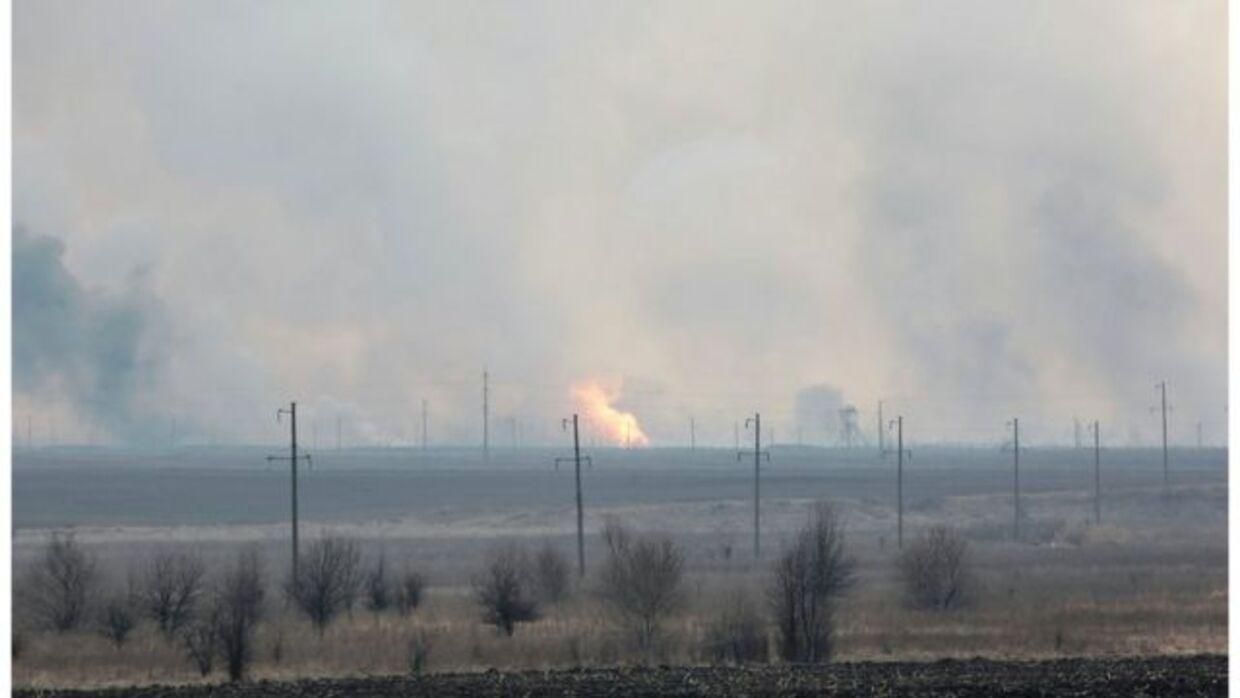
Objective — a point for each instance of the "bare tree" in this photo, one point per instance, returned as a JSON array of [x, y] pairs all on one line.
[[200, 639], [60, 588], [737, 632], [409, 592], [171, 589], [551, 574], [328, 580], [117, 619], [935, 569], [238, 607], [502, 589], [641, 579], [378, 587], [809, 577]]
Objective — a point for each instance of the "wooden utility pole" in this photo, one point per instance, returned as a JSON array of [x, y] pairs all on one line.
[[1162, 387], [486, 416], [1015, 479], [292, 459], [756, 420], [899, 422], [581, 536], [1097, 475], [882, 448]]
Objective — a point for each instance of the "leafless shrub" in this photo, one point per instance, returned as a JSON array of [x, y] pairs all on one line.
[[935, 569], [809, 577], [60, 588], [502, 589], [200, 640], [327, 580], [418, 650], [117, 619], [378, 587], [551, 574], [409, 592], [171, 589], [641, 580], [737, 632], [237, 609]]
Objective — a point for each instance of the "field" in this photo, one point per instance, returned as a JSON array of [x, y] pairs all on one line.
[[1151, 579], [1137, 678]]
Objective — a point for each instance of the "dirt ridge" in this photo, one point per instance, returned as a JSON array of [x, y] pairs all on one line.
[[1200, 675]]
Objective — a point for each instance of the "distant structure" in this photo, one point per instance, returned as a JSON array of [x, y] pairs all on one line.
[[850, 433]]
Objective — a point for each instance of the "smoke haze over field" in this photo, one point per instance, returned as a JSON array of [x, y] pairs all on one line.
[[971, 210]]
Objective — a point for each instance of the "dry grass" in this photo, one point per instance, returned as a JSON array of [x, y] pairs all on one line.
[[1138, 585], [1034, 603]]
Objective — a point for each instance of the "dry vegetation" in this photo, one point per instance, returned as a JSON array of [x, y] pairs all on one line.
[[1119, 589]]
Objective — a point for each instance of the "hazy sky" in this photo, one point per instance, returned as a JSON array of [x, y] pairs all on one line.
[[972, 210]]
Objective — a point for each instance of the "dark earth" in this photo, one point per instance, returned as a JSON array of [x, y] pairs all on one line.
[[1204, 675]]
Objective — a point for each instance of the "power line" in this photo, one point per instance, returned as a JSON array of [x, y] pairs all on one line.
[[900, 453], [756, 420], [486, 415], [1097, 474], [1015, 424], [581, 540], [292, 459]]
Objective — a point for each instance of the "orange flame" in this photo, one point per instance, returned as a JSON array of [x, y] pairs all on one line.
[[594, 401]]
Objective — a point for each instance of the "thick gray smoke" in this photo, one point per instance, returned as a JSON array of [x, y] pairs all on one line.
[[89, 348], [970, 210]]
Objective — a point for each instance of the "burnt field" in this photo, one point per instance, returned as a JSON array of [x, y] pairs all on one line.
[[1203, 675]]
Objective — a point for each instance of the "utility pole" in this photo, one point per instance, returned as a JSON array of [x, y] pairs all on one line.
[[581, 536], [292, 459], [424, 425], [900, 452], [1015, 424], [692, 435], [486, 416], [756, 420], [882, 448], [1097, 475], [1162, 387]]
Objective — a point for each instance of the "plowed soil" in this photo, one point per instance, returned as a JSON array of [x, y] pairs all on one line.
[[1150, 676]]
